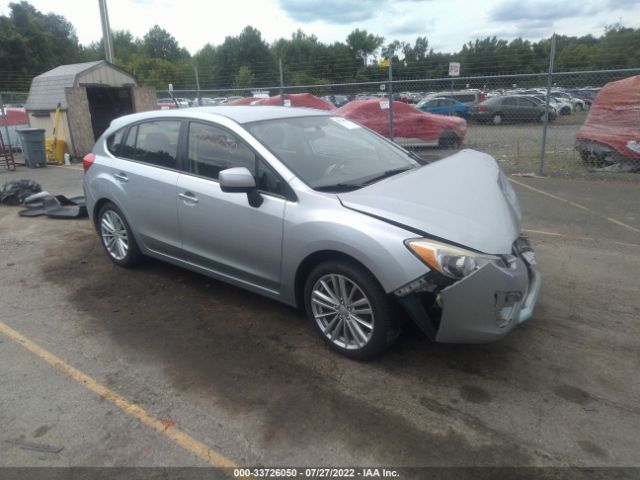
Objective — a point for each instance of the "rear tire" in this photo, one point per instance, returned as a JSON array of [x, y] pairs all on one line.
[[116, 236], [449, 140], [350, 311]]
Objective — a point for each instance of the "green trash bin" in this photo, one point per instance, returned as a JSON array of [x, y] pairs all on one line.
[[33, 147]]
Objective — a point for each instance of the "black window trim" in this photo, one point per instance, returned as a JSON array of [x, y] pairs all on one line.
[[289, 193]]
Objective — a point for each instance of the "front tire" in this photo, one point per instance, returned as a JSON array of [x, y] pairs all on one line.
[[350, 310], [116, 236]]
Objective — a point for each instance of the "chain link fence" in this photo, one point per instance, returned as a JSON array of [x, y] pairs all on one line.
[[506, 116], [503, 115]]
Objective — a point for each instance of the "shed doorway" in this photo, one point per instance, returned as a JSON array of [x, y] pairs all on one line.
[[107, 103]]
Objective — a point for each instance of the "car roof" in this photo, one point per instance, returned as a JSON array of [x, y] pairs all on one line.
[[238, 113]]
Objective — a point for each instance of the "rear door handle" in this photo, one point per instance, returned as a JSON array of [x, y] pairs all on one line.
[[188, 197], [122, 177]]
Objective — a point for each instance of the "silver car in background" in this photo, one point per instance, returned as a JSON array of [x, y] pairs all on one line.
[[320, 213]]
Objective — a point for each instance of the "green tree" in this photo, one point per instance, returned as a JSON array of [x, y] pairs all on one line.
[[158, 43], [244, 78], [363, 44]]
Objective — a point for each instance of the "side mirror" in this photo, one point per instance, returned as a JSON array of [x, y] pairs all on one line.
[[240, 179]]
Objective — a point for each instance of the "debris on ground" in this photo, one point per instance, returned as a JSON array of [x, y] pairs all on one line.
[[36, 447], [14, 192], [54, 206]]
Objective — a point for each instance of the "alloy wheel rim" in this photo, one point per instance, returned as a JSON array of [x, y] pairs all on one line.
[[342, 311], [114, 235]]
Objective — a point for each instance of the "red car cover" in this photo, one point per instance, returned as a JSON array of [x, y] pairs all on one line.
[[14, 116], [408, 121], [244, 101], [297, 100], [614, 119]]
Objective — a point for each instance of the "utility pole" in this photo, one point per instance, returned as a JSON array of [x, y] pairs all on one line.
[[391, 52], [552, 56], [106, 31], [198, 94], [281, 82]]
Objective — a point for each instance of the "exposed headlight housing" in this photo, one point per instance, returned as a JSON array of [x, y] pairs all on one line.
[[453, 262]]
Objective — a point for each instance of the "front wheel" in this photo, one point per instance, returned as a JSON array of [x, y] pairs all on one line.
[[350, 310], [116, 236]]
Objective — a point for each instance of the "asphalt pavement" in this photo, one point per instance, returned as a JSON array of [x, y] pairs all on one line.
[[160, 366]]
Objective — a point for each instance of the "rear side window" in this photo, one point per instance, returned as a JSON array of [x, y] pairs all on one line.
[[114, 141], [153, 142], [510, 101]]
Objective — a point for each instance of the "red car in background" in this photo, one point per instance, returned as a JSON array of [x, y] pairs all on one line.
[[411, 126], [297, 100], [611, 133]]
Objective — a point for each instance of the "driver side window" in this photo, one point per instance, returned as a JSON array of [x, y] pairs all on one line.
[[212, 149]]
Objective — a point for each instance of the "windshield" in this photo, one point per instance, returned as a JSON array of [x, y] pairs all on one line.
[[331, 153]]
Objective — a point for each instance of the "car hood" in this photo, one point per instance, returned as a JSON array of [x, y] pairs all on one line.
[[464, 199]]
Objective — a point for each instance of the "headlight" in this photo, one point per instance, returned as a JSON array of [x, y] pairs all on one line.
[[454, 262]]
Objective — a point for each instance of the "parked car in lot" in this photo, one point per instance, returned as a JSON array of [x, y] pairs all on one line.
[[337, 100], [166, 104], [587, 95], [577, 104], [610, 134], [311, 209], [509, 108], [469, 97], [560, 105], [412, 127], [444, 106], [296, 100]]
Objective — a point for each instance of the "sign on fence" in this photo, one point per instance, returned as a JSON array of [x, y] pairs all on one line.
[[454, 69]]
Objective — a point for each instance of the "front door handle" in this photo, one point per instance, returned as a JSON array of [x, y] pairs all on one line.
[[188, 197], [121, 177]]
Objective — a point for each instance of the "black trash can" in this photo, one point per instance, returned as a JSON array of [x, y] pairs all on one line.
[[33, 147]]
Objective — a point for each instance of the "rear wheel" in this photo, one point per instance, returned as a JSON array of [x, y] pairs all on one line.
[[497, 118], [542, 116], [350, 310], [449, 140], [116, 236]]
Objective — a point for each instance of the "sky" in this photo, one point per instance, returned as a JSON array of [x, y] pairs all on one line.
[[447, 24]]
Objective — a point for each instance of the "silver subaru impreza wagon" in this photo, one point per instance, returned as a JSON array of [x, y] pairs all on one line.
[[320, 213]]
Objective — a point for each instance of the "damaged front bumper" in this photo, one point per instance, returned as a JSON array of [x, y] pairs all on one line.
[[482, 307]]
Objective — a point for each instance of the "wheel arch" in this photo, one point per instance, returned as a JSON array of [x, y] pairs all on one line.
[[96, 209], [314, 259]]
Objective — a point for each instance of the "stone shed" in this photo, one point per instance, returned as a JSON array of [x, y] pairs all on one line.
[[90, 95]]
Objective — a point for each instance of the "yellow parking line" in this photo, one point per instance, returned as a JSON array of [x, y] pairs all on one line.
[[574, 204], [165, 427]]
